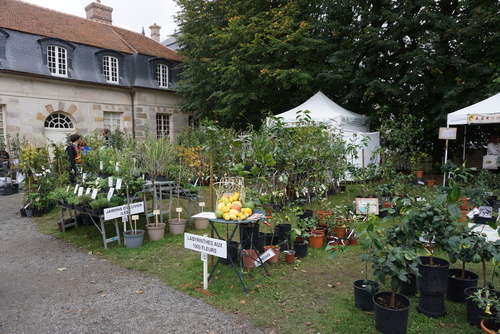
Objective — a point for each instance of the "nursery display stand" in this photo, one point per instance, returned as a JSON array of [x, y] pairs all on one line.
[[237, 265]]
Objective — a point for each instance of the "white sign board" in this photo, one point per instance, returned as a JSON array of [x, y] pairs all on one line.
[[264, 257], [120, 211], [216, 247]]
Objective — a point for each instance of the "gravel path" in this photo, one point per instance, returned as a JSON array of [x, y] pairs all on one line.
[[49, 286]]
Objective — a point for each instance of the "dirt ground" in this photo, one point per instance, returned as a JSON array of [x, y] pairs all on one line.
[[49, 286]]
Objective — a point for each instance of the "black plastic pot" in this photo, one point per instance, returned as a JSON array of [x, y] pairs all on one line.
[[433, 280], [431, 305], [282, 231], [248, 235], [306, 214], [457, 286], [474, 313], [300, 249], [362, 298], [391, 321], [232, 252], [409, 288]]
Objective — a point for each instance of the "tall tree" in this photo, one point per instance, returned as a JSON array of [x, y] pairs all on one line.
[[383, 58]]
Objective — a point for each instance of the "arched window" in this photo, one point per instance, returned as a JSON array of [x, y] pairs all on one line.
[[58, 121]]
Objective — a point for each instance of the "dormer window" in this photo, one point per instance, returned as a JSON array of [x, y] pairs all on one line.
[[57, 56], [162, 75], [57, 60], [110, 68]]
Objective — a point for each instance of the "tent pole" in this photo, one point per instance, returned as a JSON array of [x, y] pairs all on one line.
[[465, 140]]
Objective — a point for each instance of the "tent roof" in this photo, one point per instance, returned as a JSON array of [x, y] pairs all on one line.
[[486, 111], [324, 110]]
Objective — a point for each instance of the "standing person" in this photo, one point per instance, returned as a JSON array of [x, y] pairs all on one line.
[[493, 147], [105, 133], [4, 162], [73, 155]]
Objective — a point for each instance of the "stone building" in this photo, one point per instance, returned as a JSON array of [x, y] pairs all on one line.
[[62, 74]]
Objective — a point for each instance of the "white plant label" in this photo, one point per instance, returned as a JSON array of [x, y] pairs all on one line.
[[94, 193], [80, 191], [135, 217], [202, 204], [156, 212], [178, 209], [119, 184], [110, 193], [101, 165], [76, 189], [88, 191], [117, 166], [110, 181], [67, 189]]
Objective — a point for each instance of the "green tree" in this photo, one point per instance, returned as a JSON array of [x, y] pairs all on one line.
[[382, 58]]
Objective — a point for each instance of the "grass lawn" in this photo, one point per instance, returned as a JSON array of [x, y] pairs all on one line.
[[313, 295]]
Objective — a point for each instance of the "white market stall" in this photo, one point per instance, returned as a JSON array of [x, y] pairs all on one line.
[[354, 127], [484, 112]]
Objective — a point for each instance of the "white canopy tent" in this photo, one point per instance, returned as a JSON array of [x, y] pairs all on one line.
[[354, 127], [323, 110], [484, 112]]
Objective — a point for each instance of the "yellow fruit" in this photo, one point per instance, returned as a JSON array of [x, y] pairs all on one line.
[[220, 206], [232, 216], [247, 211], [233, 212], [236, 195], [243, 216], [227, 216], [226, 209]]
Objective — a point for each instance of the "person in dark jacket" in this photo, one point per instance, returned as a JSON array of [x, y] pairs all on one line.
[[4, 162], [73, 151]]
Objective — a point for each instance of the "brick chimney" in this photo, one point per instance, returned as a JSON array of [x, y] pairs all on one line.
[[100, 13], [155, 32]]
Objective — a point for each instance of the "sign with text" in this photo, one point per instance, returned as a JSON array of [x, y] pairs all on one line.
[[120, 211], [483, 118], [216, 247]]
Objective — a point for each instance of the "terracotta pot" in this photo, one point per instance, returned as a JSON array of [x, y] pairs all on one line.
[[316, 239], [486, 324], [323, 215], [334, 244], [249, 258], [431, 183], [276, 251], [420, 174], [340, 232], [353, 241], [463, 203], [289, 256]]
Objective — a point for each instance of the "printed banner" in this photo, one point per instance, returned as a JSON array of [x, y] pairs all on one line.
[[483, 118]]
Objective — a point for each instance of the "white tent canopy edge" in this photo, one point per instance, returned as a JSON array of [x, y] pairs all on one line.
[[484, 112]]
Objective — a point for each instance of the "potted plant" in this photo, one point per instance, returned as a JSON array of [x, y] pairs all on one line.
[[485, 311], [486, 251], [463, 246], [98, 205], [155, 155], [397, 263], [434, 223]]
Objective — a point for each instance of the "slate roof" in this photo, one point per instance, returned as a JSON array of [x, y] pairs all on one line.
[[24, 17]]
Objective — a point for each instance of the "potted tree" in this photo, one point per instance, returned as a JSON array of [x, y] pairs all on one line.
[[397, 263], [463, 246], [155, 155], [434, 221]]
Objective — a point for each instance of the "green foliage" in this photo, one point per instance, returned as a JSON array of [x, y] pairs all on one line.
[[407, 64]]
